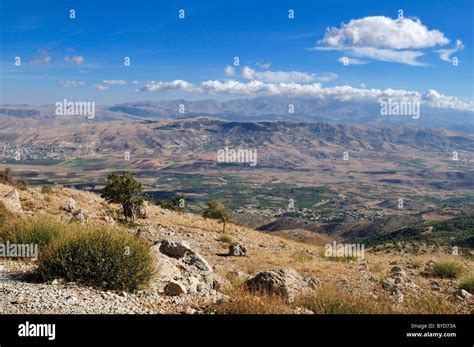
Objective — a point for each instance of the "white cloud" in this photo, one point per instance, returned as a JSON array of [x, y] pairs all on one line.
[[351, 61], [265, 66], [383, 32], [101, 87], [382, 38], [229, 70], [285, 76], [114, 82], [165, 86], [42, 58], [445, 54], [339, 93], [389, 55], [71, 84], [77, 59]]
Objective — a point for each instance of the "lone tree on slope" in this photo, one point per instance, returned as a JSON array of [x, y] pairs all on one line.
[[122, 188]]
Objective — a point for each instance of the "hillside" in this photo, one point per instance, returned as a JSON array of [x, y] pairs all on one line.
[[395, 283]]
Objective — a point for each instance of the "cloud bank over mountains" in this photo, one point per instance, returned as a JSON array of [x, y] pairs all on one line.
[[431, 98]]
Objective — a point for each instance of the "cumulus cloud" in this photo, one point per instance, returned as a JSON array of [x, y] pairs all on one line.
[[445, 54], [166, 86], [285, 76], [339, 93], [382, 38], [229, 70], [114, 82], [383, 32], [77, 59], [71, 84], [42, 58]]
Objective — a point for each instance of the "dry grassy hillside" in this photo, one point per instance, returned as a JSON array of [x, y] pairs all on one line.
[[377, 284]]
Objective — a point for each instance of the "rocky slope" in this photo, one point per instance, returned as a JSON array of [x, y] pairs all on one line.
[[195, 272]]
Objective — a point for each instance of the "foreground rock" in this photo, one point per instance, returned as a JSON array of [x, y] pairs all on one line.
[[237, 250], [181, 270], [70, 206], [143, 210], [11, 201], [79, 216], [286, 283]]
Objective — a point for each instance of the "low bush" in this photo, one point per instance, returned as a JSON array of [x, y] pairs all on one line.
[[467, 284], [446, 269], [40, 231], [225, 239], [100, 257]]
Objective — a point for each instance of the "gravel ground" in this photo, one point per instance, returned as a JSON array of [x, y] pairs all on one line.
[[18, 296]]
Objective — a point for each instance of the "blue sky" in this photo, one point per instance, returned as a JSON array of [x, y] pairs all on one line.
[[71, 58]]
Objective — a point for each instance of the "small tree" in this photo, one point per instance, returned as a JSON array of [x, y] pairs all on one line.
[[122, 188], [216, 210], [174, 204]]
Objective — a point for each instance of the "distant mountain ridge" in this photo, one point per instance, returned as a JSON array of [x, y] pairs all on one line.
[[264, 108]]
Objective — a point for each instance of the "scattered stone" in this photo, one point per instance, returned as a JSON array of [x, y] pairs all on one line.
[[283, 282], [435, 286], [463, 294], [177, 261], [237, 250], [79, 216], [174, 288], [397, 271], [70, 206], [143, 210], [12, 202], [20, 300]]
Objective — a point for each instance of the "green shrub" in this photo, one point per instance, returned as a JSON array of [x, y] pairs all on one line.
[[41, 231], [467, 284], [122, 188], [176, 203], [225, 239], [446, 269], [103, 258]]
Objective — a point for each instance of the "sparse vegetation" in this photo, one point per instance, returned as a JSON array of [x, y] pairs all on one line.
[[5, 215], [225, 239], [340, 259], [216, 210], [301, 257], [467, 284], [446, 269], [176, 203], [6, 176], [46, 190], [243, 302], [100, 257], [122, 188], [40, 231], [332, 300]]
